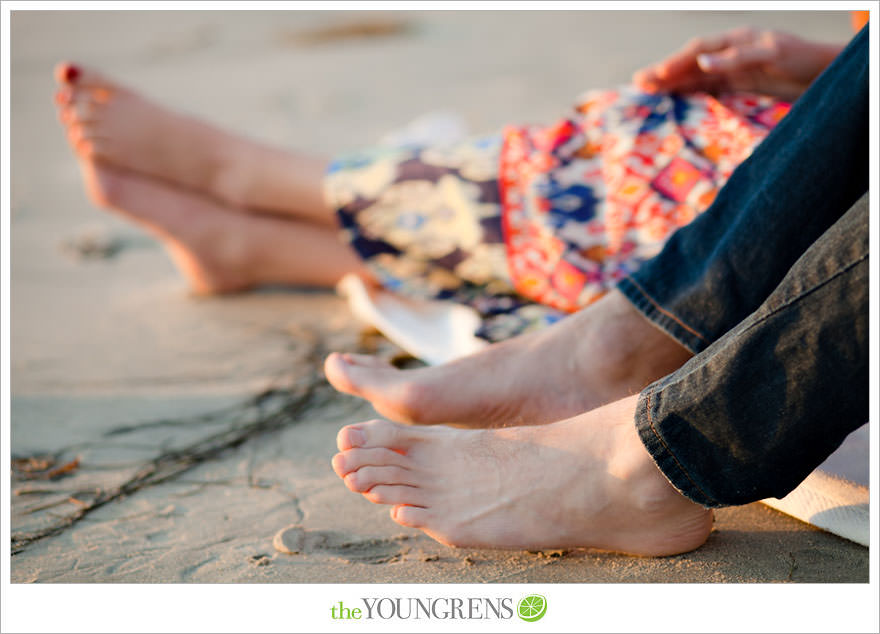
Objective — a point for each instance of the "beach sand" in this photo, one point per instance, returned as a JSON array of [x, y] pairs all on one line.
[[143, 399]]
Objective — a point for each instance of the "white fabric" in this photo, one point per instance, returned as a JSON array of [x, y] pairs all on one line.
[[435, 332]]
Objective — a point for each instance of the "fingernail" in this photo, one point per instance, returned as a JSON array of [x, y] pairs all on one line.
[[705, 62], [356, 437], [71, 73]]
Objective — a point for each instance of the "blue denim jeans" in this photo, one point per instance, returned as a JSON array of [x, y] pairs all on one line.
[[769, 288]]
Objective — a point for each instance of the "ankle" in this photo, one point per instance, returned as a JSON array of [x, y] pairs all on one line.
[[666, 521], [631, 351], [217, 261]]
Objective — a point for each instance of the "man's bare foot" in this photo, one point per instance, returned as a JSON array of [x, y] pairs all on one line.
[[603, 353], [584, 482], [208, 243]]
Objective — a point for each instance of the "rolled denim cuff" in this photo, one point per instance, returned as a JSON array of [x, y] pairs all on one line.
[[754, 413], [665, 320], [673, 467]]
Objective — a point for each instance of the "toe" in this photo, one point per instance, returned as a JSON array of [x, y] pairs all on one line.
[[367, 373], [351, 436], [336, 371], [67, 73], [67, 115], [366, 478], [83, 107], [354, 459], [88, 78], [63, 96], [395, 494], [394, 393], [411, 516], [81, 140], [74, 75], [367, 361], [354, 373], [378, 433]]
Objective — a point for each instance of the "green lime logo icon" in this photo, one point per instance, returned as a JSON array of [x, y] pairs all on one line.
[[532, 608]]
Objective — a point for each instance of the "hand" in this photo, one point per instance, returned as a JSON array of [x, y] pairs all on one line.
[[746, 59]]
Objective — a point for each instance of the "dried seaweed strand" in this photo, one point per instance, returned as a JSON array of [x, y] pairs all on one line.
[[175, 462]]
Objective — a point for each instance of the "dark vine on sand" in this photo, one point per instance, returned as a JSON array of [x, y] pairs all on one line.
[[267, 412]]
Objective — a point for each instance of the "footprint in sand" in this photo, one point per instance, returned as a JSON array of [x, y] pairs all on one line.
[[295, 540]]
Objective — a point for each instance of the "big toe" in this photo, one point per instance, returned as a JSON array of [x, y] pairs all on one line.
[[375, 434], [77, 76], [67, 72], [357, 374]]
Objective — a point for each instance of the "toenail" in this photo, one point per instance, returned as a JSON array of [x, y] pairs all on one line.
[[71, 73], [356, 437]]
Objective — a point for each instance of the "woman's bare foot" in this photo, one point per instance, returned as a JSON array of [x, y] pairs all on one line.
[[111, 124], [217, 249], [584, 482], [200, 237], [603, 353]]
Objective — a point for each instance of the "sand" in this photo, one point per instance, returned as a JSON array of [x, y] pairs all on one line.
[[141, 398]]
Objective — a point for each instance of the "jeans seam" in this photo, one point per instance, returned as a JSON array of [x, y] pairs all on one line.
[[806, 292], [663, 311], [669, 451]]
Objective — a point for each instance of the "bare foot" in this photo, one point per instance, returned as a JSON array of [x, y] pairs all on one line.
[[111, 124], [603, 353], [584, 482], [218, 249], [208, 243]]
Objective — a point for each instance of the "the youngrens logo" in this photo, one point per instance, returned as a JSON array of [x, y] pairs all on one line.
[[530, 608]]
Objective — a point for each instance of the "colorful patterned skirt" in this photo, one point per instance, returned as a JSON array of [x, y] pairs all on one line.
[[537, 222]]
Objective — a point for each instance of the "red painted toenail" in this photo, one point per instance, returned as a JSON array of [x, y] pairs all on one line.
[[71, 73]]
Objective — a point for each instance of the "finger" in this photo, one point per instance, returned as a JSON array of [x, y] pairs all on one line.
[[696, 82], [735, 58], [682, 66], [685, 61]]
